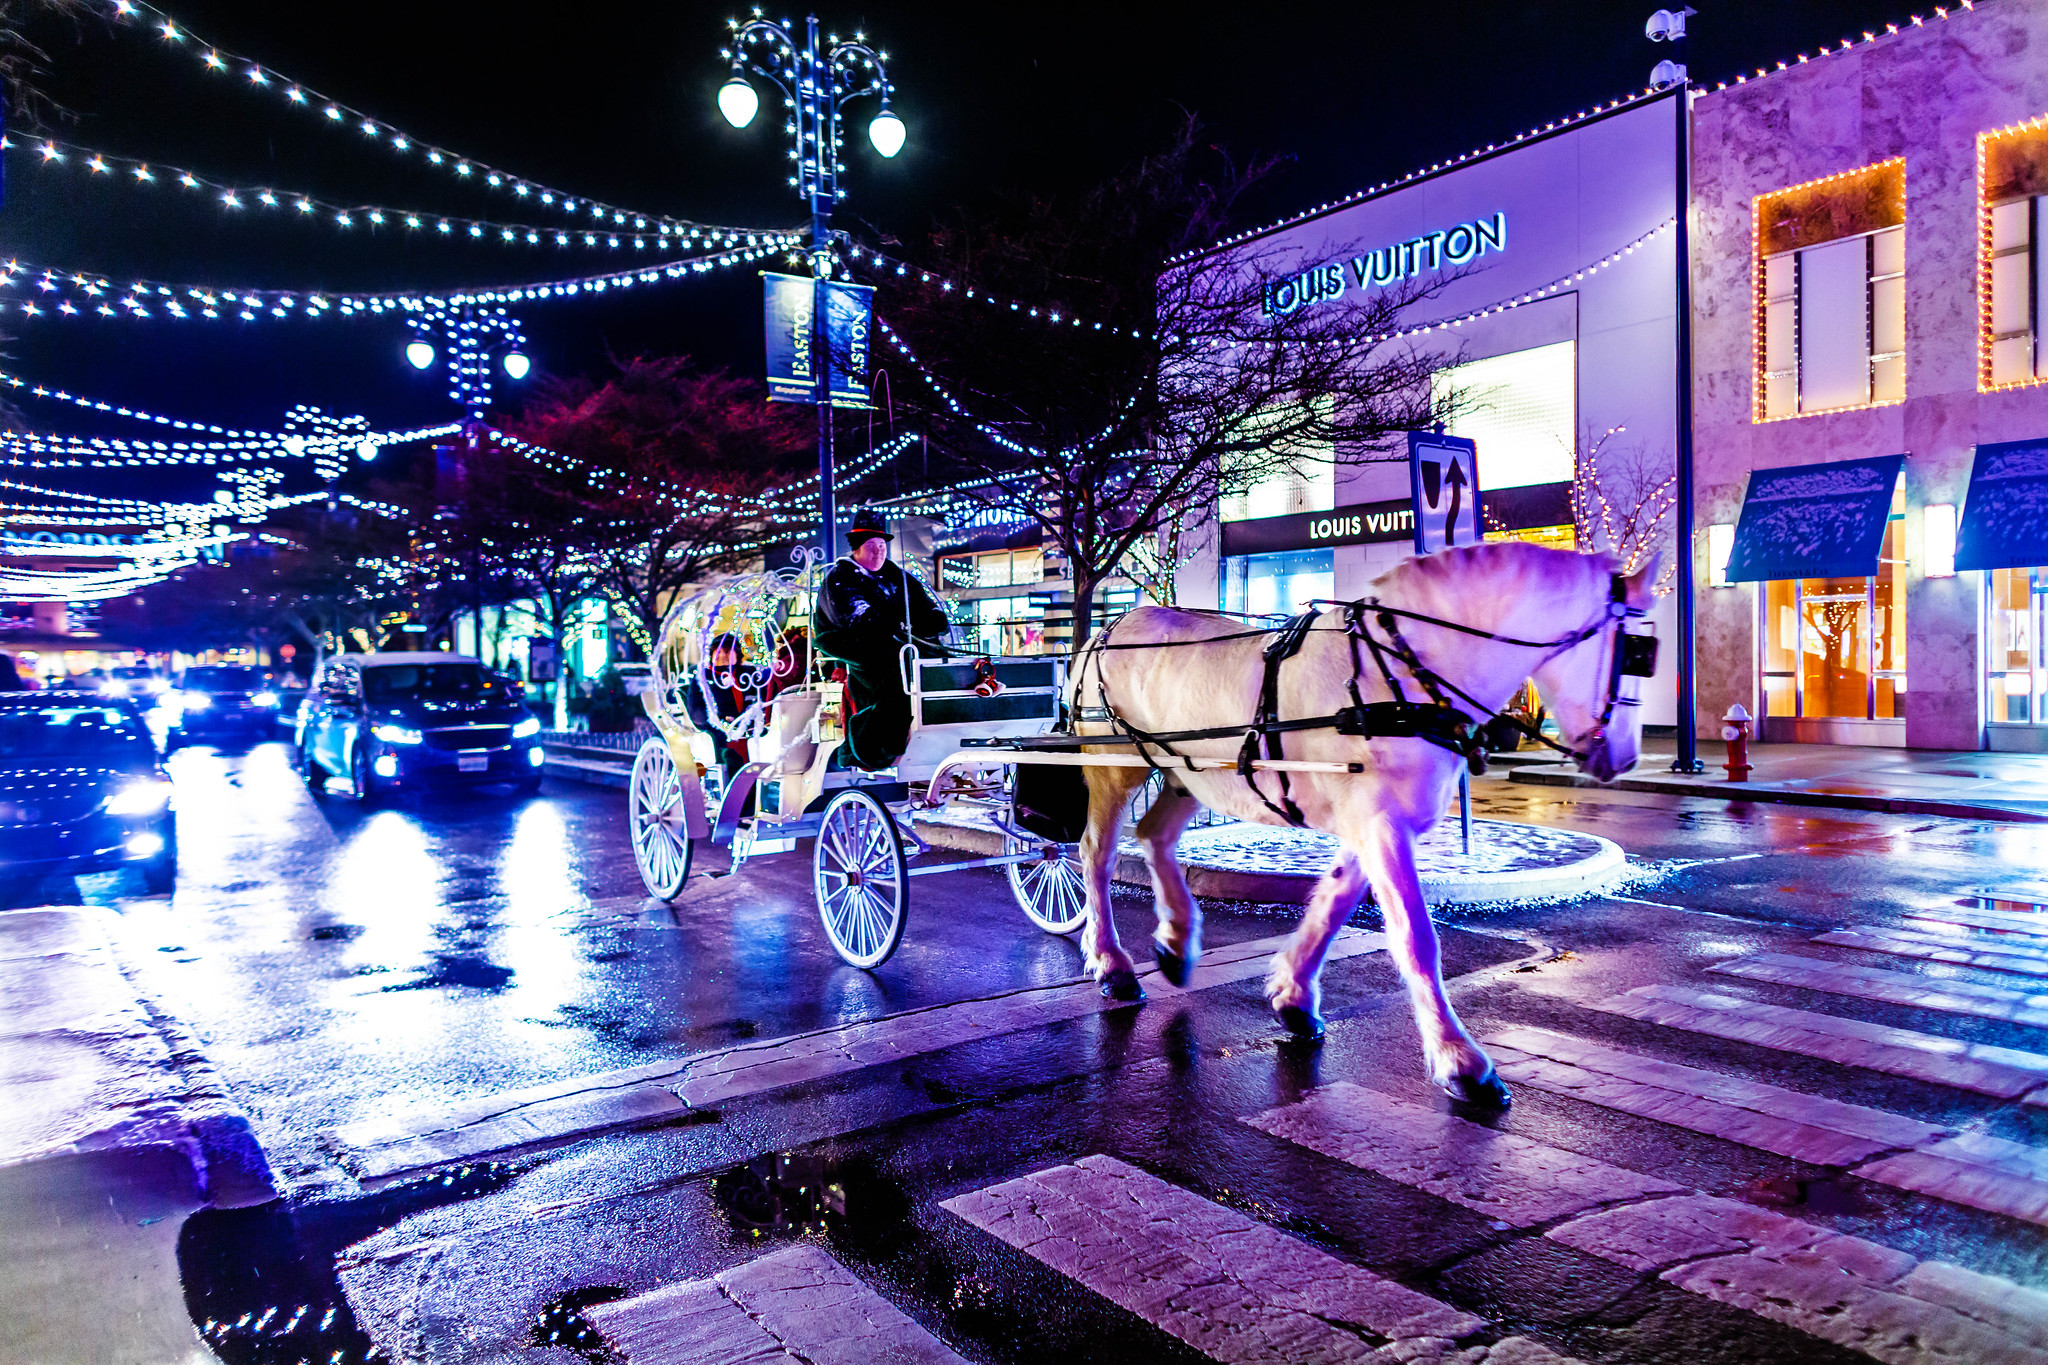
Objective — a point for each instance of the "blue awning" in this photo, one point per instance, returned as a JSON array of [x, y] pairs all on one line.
[[1814, 520], [2005, 517]]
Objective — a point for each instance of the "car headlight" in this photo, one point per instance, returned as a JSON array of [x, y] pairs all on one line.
[[146, 797], [265, 699], [194, 701], [527, 728], [396, 734]]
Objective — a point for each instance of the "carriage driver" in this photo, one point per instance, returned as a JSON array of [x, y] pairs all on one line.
[[862, 622]]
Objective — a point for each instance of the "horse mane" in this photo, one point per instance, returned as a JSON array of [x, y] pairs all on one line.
[[1517, 572]]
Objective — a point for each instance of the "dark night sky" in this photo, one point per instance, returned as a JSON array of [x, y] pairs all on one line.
[[617, 101]]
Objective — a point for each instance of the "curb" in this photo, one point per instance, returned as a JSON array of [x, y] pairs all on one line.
[[1757, 791], [1280, 888]]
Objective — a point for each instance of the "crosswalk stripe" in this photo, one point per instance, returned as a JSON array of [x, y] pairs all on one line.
[[2004, 1072], [1228, 1285], [792, 1306], [1976, 1169], [1998, 921], [1971, 1168], [1502, 1175], [387, 1148], [1963, 952], [1838, 1288], [1896, 988], [1804, 1127]]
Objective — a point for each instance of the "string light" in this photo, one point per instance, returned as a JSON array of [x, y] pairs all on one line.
[[255, 76], [1051, 316], [56, 451], [116, 410], [1642, 96], [1941, 12], [60, 293], [1758, 205], [666, 235], [2031, 129]]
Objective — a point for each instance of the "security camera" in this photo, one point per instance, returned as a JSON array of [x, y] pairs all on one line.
[[1665, 75], [1666, 27]]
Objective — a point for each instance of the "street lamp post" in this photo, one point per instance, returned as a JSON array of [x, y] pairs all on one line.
[[815, 81], [470, 337]]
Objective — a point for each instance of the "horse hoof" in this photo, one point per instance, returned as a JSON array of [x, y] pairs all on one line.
[[1122, 984], [1488, 1091], [1174, 967], [1306, 1025]]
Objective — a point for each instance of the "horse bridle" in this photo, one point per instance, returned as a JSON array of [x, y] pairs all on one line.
[[1629, 655]]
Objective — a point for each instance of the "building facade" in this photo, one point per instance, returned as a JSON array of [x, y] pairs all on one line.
[[1559, 328], [1869, 389]]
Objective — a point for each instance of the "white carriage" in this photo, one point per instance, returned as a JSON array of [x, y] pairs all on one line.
[[736, 640]]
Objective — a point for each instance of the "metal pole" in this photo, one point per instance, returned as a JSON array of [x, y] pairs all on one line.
[[1688, 756], [815, 103], [1465, 808]]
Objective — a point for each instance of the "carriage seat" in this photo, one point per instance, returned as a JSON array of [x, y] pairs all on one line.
[[944, 692]]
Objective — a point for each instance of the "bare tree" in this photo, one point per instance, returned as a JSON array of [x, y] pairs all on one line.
[[1168, 379], [1623, 497], [675, 461]]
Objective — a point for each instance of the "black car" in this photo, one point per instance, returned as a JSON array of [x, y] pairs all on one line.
[[401, 720], [81, 789], [216, 701]]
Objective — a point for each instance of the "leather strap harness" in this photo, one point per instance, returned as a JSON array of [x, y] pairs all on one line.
[[1440, 720]]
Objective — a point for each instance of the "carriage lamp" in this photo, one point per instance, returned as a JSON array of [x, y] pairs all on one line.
[[1939, 523]]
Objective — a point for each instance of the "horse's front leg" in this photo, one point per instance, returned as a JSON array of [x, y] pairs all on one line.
[[1177, 941], [1457, 1065], [1109, 794], [1294, 982]]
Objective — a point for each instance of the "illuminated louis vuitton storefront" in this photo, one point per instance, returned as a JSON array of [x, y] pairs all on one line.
[[1559, 324]]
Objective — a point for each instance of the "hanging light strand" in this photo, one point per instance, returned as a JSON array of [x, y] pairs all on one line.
[[882, 266], [50, 292], [269, 204], [140, 16]]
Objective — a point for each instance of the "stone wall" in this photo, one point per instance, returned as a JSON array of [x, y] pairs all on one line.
[[1923, 94]]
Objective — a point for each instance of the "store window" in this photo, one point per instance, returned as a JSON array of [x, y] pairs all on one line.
[[1522, 409], [1278, 584], [1307, 483], [1831, 293], [1836, 647], [1000, 625], [2015, 181], [991, 569], [2018, 672]]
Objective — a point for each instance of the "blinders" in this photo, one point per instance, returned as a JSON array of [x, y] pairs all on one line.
[[1634, 656]]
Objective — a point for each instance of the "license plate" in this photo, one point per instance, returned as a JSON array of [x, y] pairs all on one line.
[[472, 763]]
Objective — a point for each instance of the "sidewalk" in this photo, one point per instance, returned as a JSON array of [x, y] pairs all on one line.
[[1964, 785], [114, 1130]]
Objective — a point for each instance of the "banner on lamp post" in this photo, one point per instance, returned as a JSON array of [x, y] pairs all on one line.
[[787, 302]]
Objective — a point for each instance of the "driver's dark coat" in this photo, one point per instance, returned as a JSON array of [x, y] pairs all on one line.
[[860, 614]]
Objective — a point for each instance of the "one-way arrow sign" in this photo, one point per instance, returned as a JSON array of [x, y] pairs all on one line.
[[1443, 475]]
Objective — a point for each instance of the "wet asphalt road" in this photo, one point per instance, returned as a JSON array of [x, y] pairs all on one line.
[[339, 964]]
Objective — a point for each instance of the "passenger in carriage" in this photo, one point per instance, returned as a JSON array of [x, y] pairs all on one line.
[[868, 609]]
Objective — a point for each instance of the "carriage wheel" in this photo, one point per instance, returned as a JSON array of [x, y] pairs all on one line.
[[658, 822], [1049, 887], [857, 870]]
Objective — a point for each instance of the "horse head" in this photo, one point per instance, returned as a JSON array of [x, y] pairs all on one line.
[[1590, 688]]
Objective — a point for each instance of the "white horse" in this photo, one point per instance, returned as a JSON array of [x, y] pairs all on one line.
[[1530, 611]]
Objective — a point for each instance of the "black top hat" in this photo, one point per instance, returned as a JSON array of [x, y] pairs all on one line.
[[866, 525]]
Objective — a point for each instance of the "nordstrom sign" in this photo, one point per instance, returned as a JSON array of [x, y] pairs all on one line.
[[1376, 269]]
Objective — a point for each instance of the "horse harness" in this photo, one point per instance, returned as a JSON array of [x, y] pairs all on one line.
[[1438, 721]]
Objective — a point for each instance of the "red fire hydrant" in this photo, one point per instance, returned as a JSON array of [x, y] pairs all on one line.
[[1735, 729]]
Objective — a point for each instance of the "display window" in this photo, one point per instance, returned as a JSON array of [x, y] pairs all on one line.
[[1278, 584], [1836, 647], [2016, 673]]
